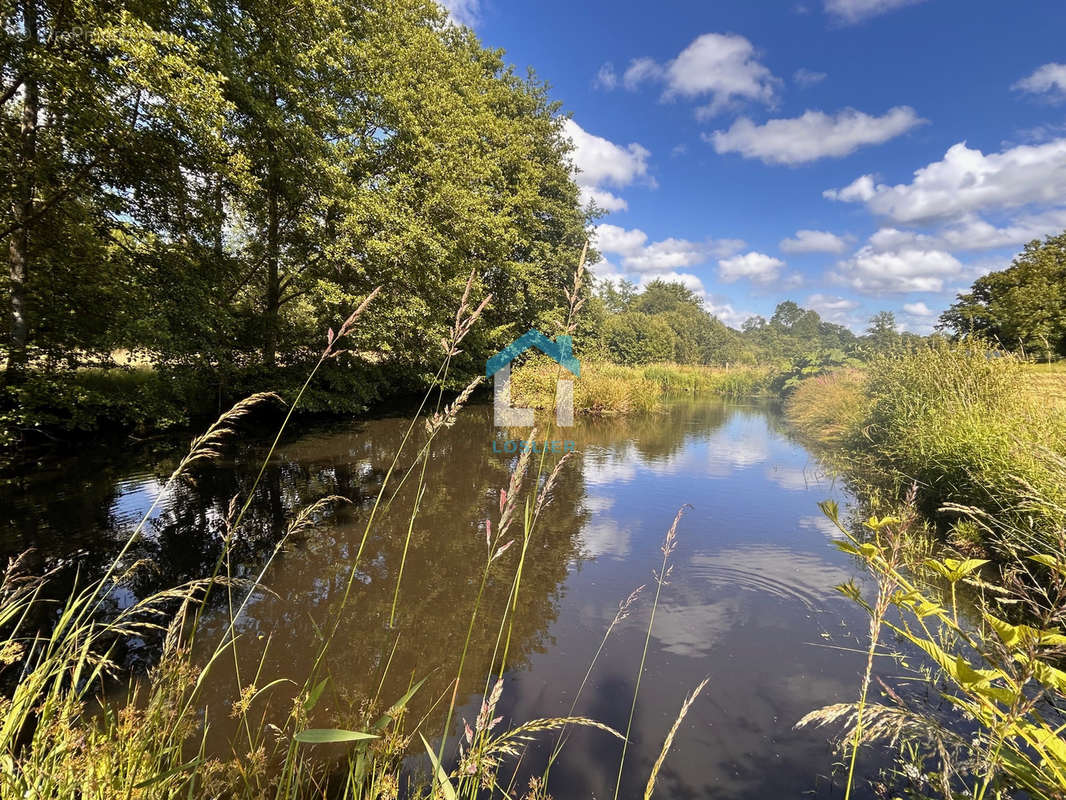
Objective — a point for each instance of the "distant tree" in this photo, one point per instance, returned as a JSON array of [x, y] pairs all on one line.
[[616, 295], [881, 334], [636, 338], [660, 296], [1023, 306]]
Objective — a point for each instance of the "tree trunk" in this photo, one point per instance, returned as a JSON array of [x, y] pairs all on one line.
[[18, 247], [273, 285]]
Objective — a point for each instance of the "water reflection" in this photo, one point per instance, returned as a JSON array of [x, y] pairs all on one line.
[[749, 603]]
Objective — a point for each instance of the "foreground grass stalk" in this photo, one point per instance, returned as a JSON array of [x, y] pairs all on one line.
[[669, 545]]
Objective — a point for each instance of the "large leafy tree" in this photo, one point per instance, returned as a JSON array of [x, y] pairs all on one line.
[[1023, 306], [104, 108]]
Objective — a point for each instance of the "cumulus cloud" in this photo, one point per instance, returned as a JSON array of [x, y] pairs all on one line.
[[756, 267], [724, 67], [827, 303], [851, 11], [603, 163], [918, 309], [859, 190], [805, 77], [806, 241], [966, 181], [661, 256], [812, 136], [1049, 79], [974, 233], [908, 268]]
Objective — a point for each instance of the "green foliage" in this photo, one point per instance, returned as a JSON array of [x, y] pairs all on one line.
[[284, 166], [1022, 307], [810, 365], [961, 423], [633, 338], [1001, 731]]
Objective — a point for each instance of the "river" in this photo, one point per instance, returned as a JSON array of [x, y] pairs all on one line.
[[749, 602]]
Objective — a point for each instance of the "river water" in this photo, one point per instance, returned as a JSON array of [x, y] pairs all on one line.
[[749, 602]]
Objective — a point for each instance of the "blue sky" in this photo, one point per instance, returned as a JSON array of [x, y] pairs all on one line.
[[852, 155]]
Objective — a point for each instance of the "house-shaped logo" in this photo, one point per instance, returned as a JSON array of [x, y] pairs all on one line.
[[499, 369]]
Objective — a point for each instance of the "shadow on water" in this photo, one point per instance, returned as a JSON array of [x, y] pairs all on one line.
[[750, 602]]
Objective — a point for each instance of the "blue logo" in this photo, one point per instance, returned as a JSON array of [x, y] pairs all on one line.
[[499, 369]]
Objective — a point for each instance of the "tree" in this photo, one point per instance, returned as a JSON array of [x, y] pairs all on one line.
[[882, 334], [661, 296], [103, 107], [636, 338], [1023, 306]]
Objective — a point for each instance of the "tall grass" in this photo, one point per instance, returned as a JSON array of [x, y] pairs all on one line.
[[959, 422], [605, 388], [63, 736]]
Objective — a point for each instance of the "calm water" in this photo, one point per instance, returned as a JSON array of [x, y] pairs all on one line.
[[749, 604]]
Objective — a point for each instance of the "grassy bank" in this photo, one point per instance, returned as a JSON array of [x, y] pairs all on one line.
[[970, 443], [605, 388], [967, 426]]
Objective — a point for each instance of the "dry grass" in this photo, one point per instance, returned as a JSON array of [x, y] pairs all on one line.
[[605, 388]]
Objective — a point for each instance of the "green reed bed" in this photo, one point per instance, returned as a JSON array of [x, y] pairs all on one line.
[[62, 736]]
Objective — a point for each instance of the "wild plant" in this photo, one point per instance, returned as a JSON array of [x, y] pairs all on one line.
[[999, 678]]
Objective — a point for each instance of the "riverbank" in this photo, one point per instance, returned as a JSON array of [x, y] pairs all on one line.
[[964, 426], [608, 389]]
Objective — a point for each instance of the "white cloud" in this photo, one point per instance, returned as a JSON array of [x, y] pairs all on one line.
[[608, 201], [813, 135], [888, 239], [756, 267], [974, 233], [724, 67], [805, 77], [668, 254], [852, 11], [827, 303], [641, 70], [602, 162], [665, 255], [722, 308], [1049, 79], [464, 12], [918, 309], [966, 181], [859, 190], [910, 268], [616, 239], [606, 77], [806, 241]]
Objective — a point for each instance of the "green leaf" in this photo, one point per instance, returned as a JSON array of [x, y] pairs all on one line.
[[332, 736], [314, 695], [396, 708], [442, 776]]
